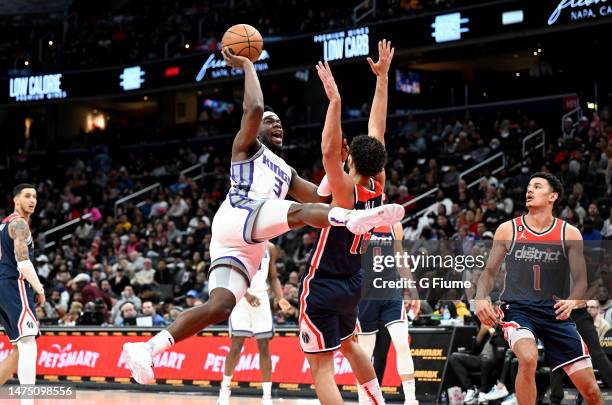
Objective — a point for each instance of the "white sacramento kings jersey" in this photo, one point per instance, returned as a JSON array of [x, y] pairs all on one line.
[[259, 283], [265, 176]]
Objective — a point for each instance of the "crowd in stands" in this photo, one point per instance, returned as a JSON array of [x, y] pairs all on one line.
[[91, 36], [155, 248]]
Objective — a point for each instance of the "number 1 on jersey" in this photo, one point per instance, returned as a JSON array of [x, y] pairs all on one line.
[[536, 277]]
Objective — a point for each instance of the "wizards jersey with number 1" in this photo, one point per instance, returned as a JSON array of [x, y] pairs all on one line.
[[537, 268]]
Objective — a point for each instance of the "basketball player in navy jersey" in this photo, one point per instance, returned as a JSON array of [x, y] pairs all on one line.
[[19, 285], [331, 289], [540, 252], [254, 211], [390, 310]]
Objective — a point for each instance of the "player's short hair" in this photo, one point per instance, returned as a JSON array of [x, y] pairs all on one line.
[[19, 188], [368, 154], [554, 183]]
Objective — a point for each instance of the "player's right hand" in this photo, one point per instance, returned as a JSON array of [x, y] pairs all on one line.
[[252, 300], [327, 78], [486, 314], [234, 60]]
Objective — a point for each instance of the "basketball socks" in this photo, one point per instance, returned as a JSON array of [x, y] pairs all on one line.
[[267, 390], [160, 342], [409, 389], [337, 216], [227, 380], [26, 365], [373, 392]]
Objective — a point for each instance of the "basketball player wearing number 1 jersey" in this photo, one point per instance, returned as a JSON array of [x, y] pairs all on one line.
[[541, 253]]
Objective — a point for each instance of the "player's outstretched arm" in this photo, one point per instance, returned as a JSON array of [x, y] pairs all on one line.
[[377, 124], [253, 106], [575, 256], [304, 191], [484, 309], [275, 283], [19, 231], [331, 142]]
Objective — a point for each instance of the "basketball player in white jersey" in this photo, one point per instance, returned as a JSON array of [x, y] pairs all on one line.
[[254, 212], [252, 317]]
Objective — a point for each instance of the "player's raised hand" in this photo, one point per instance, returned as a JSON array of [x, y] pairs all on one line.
[[563, 308], [485, 312], [385, 54], [234, 60], [327, 78]]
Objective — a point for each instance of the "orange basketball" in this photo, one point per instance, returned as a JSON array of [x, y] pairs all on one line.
[[243, 40]]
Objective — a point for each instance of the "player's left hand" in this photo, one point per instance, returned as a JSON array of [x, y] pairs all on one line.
[[327, 78], [385, 54], [284, 305], [563, 308]]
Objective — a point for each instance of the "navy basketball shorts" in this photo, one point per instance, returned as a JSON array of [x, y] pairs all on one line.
[[563, 344], [17, 309], [328, 311], [372, 313]]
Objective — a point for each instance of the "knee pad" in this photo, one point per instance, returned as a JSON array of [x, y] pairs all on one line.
[[399, 336], [229, 278]]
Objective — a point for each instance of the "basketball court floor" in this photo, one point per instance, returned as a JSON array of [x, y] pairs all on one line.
[[120, 397]]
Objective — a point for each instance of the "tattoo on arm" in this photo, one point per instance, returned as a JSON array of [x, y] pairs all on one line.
[[20, 232]]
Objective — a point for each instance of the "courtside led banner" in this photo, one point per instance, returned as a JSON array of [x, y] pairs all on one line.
[[202, 358]]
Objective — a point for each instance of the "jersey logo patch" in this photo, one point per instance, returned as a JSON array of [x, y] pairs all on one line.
[[305, 337]]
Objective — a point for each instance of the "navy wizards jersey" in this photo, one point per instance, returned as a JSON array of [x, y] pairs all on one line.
[[337, 251], [537, 267], [8, 264], [331, 289]]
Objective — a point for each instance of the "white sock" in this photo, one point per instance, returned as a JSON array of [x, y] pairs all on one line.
[[373, 392], [227, 380], [409, 389], [337, 216], [267, 389], [26, 365], [362, 397], [161, 342]]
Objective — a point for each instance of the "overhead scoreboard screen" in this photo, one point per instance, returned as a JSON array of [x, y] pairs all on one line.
[[417, 32]]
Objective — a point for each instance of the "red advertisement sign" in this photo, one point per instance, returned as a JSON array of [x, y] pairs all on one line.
[[197, 358]]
